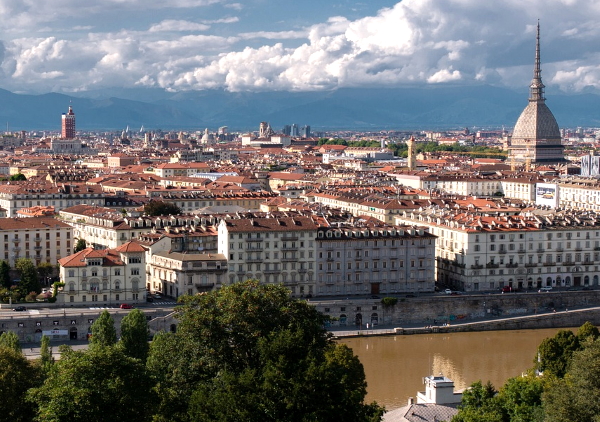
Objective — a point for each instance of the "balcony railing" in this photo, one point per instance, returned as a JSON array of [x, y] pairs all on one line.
[[476, 267], [492, 265]]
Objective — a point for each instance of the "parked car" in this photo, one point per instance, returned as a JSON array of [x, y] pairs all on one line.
[[545, 289], [20, 309], [448, 291], [507, 289], [149, 299], [126, 306], [157, 296]]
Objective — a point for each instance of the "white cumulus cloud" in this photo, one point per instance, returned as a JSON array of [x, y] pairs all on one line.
[[412, 42]]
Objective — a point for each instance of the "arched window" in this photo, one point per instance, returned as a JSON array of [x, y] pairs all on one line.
[[548, 281], [83, 285], [72, 286], [586, 280], [117, 285], [595, 279]]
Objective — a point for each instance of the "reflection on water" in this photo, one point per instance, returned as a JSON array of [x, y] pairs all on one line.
[[395, 365]]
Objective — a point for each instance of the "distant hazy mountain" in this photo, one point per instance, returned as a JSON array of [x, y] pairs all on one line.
[[401, 108]]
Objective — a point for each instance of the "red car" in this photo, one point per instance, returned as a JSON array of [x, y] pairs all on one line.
[[126, 306]]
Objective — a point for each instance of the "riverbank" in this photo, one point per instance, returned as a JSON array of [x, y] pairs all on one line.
[[552, 319]]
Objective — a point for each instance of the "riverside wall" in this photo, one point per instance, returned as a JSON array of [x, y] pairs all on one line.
[[439, 308]]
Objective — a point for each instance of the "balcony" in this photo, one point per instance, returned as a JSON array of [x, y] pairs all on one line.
[[492, 265], [559, 249], [254, 260], [502, 251], [530, 264], [289, 259], [271, 271], [549, 264], [290, 237], [16, 248], [578, 249], [289, 248], [254, 240], [476, 267], [540, 250], [254, 247], [512, 265], [37, 248]]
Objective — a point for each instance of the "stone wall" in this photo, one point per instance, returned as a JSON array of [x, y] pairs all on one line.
[[431, 309]]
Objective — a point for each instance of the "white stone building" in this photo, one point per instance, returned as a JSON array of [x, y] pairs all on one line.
[[478, 251], [105, 277]]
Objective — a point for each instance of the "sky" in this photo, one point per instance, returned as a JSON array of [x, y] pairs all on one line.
[[294, 45]]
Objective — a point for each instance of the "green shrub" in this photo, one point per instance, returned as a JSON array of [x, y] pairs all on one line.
[[389, 301]]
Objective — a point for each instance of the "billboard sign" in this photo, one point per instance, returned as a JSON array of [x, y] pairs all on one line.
[[546, 194]]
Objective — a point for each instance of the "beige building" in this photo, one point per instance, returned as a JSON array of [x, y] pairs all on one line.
[[479, 251], [273, 250], [41, 239], [174, 274], [105, 277]]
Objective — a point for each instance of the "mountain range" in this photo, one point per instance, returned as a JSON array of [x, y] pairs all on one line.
[[408, 108]]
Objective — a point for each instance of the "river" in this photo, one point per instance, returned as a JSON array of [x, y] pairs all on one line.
[[395, 365]]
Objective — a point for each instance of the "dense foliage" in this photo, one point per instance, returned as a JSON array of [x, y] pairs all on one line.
[[245, 353], [401, 149], [156, 208], [562, 386]]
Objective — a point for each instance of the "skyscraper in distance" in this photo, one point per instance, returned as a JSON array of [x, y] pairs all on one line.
[[68, 124]]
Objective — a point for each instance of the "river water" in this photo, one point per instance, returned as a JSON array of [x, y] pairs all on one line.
[[395, 365]]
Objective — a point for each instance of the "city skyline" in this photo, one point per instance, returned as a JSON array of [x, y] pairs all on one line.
[[261, 45]]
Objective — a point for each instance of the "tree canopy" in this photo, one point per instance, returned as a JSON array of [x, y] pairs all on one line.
[[250, 352], [100, 384], [29, 276], [156, 208], [134, 335], [103, 331]]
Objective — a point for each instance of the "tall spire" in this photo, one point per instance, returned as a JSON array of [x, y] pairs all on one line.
[[536, 89]]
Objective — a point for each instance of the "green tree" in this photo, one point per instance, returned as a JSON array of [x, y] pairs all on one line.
[[100, 384], [134, 335], [250, 352], [554, 353], [29, 276], [17, 177], [155, 208], [587, 331], [46, 359], [521, 398], [80, 245], [45, 270], [575, 398], [103, 331], [479, 404], [10, 340], [5, 280], [17, 376]]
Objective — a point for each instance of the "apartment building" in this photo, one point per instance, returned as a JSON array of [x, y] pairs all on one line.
[[174, 274], [105, 228], [579, 193], [518, 187], [106, 277], [17, 195], [478, 251], [355, 259], [41, 239], [271, 249]]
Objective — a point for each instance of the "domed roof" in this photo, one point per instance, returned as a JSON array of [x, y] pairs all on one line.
[[536, 122]]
